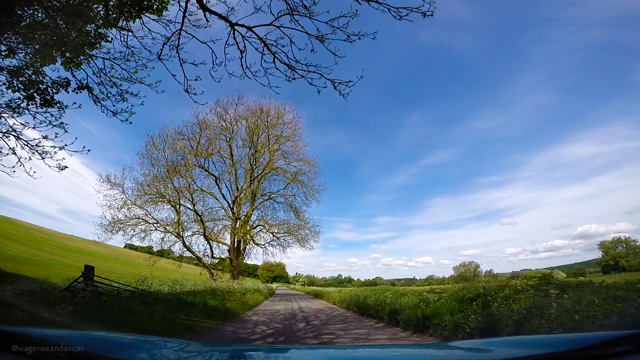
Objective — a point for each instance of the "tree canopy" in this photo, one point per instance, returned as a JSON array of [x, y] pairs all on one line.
[[467, 271], [620, 254], [270, 272], [108, 49], [234, 179]]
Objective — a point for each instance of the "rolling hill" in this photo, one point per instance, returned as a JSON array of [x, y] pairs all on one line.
[[588, 264], [37, 252]]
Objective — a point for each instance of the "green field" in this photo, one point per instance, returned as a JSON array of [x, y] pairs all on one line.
[[176, 300], [588, 264], [504, 308], [37, 252]]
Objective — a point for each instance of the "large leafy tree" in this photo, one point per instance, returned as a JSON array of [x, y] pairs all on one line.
[[467, 271], [620, 254], [233, 180], [270, 272], [107, 50]]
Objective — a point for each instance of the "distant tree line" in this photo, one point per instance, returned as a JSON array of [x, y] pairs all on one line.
[[246, 269], [348, 281], [620, 254]]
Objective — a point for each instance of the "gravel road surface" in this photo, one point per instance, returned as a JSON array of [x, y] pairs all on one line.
[[293, 318]]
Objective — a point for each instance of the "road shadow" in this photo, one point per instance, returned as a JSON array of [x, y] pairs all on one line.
[[292, 318]]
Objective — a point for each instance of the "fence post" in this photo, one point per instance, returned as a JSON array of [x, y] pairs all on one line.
[[87, 274]]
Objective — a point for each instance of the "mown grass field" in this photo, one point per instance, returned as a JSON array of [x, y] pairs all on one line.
[[176, 300], [37, 252], [506, 308]]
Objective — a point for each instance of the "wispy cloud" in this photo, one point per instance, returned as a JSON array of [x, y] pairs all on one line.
[[378, 246], [66, 201], [467, 225], [507, 222], [410, 173], [632, 210], [346, 232]]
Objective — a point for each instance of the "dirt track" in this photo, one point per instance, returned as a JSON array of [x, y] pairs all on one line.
[[290, 318]]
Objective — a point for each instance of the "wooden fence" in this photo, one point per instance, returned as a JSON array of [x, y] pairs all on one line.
[[88, 280]]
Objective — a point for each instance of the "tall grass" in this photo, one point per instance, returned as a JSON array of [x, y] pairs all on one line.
[[508, 308]]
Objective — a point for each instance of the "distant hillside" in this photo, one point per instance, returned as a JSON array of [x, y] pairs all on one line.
[[34, 251], [588, 264]]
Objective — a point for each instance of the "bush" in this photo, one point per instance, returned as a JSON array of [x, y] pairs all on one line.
[[539, 305], [578, 272]]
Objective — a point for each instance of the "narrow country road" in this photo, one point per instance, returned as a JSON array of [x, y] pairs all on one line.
[[291, 318]]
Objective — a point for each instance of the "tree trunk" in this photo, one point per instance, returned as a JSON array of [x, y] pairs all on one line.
[[235, 269]]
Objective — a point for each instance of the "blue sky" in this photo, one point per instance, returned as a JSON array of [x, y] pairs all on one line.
[[502, 132]]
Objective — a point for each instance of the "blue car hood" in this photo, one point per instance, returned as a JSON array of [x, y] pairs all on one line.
[[142, 347]]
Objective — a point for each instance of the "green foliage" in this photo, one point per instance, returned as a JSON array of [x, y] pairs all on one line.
[[108, 49], [185, 259], [467, 271], [164, 253], [558, 274], [537, 305], [170, 308], [146, 249], [270, 272], [51, 48], [348, 281], [620, 254], [246, 269], [578, 272]]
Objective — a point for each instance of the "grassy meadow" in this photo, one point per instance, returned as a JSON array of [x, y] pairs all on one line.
[[176, 300], [504, 308], [34, 251]]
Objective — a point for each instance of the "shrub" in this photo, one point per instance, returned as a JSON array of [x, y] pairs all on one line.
[[540, 305]]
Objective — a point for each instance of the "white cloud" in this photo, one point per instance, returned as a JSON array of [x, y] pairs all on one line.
[[414, 264], [331, 267], [508, 221], [551, 249], [602, 230], [391, 262], [560, 226], [443, 263], [425, 259], [471, 252], [513, 251], [353, 261], [374, 256], [378, 246], [322, 259]]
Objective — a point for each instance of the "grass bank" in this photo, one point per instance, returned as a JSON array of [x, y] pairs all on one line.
[[177, 299], [170, 308], [523, 307], [41, 253]]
